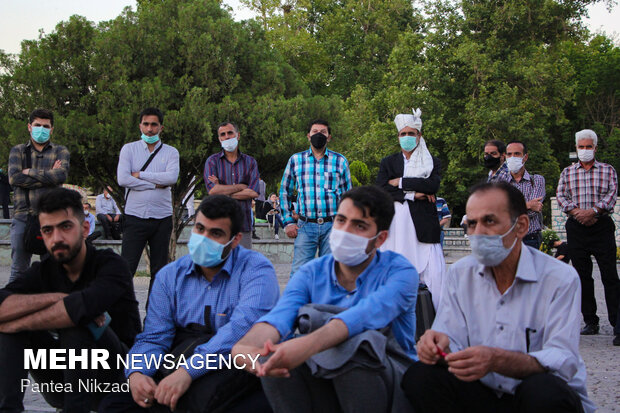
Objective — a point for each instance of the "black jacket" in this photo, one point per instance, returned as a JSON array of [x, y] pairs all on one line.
[[423, 213]]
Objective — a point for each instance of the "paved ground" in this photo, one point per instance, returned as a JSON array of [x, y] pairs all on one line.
[[601, 358]]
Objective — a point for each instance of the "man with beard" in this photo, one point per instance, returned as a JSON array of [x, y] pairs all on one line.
[[78, 298], [320, 177]]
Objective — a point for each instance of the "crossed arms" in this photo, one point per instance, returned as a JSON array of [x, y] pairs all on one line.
[[28, 312]]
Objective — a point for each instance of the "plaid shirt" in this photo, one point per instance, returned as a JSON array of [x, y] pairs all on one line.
[[583, 189], [531, 186], [243, 171], [41, 175], [320, 184], [502, 174]]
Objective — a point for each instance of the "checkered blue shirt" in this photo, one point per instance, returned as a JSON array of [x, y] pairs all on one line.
[[319, 183]]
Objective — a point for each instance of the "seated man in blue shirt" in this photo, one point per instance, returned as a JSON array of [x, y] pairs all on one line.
[[376, 289], [506, 335], [211, 297]]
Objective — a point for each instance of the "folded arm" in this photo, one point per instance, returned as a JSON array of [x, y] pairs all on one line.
[[19, 305], [168, 177], [53, 316], [123, 173]]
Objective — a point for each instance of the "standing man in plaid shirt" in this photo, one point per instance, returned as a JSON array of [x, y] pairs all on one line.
[[531, 186], [49, 169], [234, 174], [321, 177], [587, 194]]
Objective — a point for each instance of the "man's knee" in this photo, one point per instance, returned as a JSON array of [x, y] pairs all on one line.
[[421, 378], [548, 393]]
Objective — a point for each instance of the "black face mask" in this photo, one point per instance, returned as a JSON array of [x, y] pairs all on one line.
[[491, 162], [318, 140]]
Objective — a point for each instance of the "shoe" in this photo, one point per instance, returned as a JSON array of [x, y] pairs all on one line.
[[616, 341], [276, 236], [590, 330], [254, 236]]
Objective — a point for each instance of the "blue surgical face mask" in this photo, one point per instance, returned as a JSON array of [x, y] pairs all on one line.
[[230, 145], [408, 143], [489, 250], [206, 252], [150, 139], [40, 134]]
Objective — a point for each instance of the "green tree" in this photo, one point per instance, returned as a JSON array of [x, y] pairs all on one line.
[[187, 57]]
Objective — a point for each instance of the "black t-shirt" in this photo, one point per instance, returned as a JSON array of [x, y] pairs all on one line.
[[105, 284], [562, 249]]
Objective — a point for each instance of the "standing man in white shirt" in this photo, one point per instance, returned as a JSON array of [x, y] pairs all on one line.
[[147, 169], [506, 335]]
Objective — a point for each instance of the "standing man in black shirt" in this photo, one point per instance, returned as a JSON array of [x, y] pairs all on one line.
[[73, 293]]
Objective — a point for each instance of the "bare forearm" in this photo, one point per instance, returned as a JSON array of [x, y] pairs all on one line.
[[220, 189], [54, 316], [19, 305], [328, 336], [259, 334], [515, 364], [245, 194]]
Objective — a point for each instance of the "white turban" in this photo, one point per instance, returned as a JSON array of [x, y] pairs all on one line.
[[405, 119]]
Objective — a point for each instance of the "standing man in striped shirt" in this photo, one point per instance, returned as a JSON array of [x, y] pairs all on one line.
[[531, 186], [234, 174], [587, 193], [320, 177]]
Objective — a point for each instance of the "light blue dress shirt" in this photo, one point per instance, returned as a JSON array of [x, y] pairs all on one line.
[[145, 200], [90, 218], [385, 294], [542, 307], [243, 290]]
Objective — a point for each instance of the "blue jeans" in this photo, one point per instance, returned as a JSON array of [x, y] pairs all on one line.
[[277, 223], [310, 238], [20, 259]]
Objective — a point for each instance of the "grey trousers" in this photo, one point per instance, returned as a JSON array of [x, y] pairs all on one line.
[[246, 240], [20, 259], [358, 390]]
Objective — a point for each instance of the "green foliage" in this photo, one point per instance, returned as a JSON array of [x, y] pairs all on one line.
[[360, 171], [479, 70], [549, 236]]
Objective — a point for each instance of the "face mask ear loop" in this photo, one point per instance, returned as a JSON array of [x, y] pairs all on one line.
[[508, 232], [227, 244]]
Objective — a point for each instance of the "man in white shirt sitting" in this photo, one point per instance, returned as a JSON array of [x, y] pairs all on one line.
[[506, 335]]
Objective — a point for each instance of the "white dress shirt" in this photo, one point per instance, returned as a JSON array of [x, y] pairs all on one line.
[[542, 307], [145, 200]]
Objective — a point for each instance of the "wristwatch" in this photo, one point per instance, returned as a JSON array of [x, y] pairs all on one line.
[[596, 214]]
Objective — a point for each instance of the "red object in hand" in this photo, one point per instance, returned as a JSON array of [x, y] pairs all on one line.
[[440, 352]]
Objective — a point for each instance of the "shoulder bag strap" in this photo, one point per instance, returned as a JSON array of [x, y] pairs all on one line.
[[146, 164]]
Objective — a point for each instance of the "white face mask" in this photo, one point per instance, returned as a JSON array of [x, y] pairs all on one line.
[[585, 155], [230, 145], [489, 250], [347, 248], [514, 164]]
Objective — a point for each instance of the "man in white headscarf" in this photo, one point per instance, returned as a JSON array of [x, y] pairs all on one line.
[[412, 178]]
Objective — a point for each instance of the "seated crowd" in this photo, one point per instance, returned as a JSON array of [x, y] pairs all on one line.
[[340, 338]]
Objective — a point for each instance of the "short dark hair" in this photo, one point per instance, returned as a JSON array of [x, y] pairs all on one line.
[[234, 125], [220, 206], [57, 199], [319, 122], [516, 200], [42, 114], [152, 112], [374, 201], [519, 142], [499, 144]]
